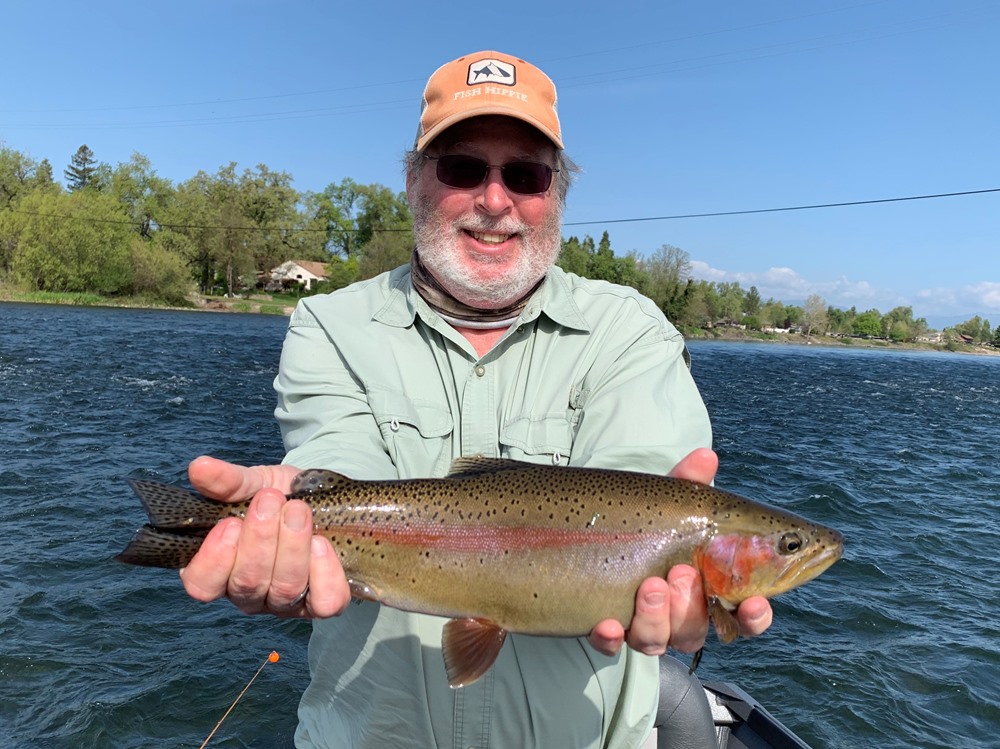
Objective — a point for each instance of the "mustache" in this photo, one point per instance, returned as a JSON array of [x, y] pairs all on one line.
[[494, 225]]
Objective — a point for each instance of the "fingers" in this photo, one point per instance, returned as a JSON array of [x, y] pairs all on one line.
[[668, 613], [231, 482], [269, 562], [754, 616], [688, 609], [700, 465]]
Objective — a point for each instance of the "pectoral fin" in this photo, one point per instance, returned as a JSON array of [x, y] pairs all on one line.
[[727, 628], [470, 646]]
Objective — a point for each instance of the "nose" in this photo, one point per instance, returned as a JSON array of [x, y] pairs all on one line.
[[493, 198]]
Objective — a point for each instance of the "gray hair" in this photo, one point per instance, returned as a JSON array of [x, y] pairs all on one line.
[[565, 168]]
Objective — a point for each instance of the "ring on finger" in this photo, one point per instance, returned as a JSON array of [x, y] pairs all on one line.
[[297, 601]]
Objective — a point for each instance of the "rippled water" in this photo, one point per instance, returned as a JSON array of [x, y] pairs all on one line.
[[896, 646]]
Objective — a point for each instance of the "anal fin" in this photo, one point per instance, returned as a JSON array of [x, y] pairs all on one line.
[[470, 647]]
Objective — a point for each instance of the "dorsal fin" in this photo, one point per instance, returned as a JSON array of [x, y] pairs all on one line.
[[477, 464], [317, 480]]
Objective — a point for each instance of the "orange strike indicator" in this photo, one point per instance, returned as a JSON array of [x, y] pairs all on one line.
[[272, 658]]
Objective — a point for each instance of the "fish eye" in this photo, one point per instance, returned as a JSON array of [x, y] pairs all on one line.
[[790, 543]]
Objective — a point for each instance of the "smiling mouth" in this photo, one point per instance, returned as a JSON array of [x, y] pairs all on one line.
[[489, 238]]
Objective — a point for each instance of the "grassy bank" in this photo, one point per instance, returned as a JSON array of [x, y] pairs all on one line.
[[272, 304], [283, 304]]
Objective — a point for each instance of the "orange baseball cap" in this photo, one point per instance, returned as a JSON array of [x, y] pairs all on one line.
[[488, 83]]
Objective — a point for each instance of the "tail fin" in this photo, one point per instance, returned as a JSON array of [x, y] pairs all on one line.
[[152, 547], [173, 508], [178, 522]]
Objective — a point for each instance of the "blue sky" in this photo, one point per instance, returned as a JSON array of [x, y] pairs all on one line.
[[671, 108]]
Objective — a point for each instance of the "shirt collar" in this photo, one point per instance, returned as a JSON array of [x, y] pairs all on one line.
[[553, 299]]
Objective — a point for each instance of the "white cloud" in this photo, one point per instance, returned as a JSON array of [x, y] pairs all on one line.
[[786, 285], [980, 298]]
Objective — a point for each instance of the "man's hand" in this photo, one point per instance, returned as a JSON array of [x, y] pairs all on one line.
[[269, 562], [672, 612]]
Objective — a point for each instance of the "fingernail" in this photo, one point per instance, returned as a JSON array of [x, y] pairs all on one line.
[[231, 534], [319, 547], [268, 507], [296, 516], [655, 600]]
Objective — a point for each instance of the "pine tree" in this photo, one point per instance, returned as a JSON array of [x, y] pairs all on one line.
[[80, 173]]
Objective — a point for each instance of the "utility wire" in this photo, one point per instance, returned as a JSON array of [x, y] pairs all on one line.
[[785, 208], [346, 230]]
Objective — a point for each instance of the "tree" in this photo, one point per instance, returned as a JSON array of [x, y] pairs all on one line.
[[996, 337], [730, 296], [16, 171], [82, 170], [573, 257], [72, 242], [142, 194], [868, 324], [353, 213], [751, 302], [668, 271], [814, 317]]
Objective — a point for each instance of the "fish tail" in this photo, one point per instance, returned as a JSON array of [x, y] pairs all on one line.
[[173, 508], [179, 520], [152, 547]]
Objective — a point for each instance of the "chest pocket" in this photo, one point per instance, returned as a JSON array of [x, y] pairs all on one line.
[[417, 434], [545, 440]]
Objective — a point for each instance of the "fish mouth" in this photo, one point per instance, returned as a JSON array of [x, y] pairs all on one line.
[[804, 570]]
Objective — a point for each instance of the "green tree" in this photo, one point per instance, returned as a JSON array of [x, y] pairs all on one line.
[[352, 213], [668, 271], [82, 170], [573, 257], [868, 324], [16, 171], [751, 302], [995, 341], [143, 195], [730, 307], [72, 242]]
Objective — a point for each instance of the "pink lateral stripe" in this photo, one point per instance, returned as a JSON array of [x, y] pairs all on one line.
[[464, 539]]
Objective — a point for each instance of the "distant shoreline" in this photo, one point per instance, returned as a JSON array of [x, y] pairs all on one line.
[[261, 304], [797, 339]]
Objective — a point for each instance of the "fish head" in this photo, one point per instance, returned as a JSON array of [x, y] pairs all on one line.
[[765, 555]]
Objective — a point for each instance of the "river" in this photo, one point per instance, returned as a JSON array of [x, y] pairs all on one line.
[[896, 646]]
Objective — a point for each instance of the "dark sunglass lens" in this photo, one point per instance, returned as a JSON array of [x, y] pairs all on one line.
[[527, 177], [461, 171]]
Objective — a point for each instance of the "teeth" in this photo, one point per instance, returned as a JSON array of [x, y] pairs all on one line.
[[490, 238]]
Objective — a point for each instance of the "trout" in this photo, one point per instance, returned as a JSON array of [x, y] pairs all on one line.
[[503, 546]]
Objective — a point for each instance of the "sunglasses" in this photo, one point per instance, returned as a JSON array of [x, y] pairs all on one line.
[[466, 172]]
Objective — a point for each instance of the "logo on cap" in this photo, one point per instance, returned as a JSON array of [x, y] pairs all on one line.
[[494, 71]]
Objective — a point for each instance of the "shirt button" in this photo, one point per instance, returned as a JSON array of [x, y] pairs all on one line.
[[480, 370], [520, 328]]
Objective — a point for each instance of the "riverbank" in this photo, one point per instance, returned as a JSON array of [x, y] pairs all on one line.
[[271, 304], [744, 336]]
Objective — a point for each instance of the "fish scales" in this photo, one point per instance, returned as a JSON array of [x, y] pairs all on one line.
[[502, 546], [535, 545]]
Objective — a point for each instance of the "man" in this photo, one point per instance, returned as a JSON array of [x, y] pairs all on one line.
[[479, 347]]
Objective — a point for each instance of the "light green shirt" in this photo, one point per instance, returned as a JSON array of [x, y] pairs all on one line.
[[374, 384]]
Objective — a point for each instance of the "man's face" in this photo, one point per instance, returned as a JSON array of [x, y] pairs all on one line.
[[487, 246]]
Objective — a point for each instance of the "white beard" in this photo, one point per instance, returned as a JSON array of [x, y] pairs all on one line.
[[436, 242]]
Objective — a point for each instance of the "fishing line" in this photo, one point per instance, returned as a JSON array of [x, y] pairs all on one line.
[[272, 658]]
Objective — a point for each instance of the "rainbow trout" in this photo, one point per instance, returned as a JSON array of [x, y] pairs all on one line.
[[502, 546]]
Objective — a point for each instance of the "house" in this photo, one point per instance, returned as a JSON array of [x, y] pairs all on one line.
[[302, 272]]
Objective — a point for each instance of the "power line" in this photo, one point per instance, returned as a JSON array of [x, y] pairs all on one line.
[[784, 208], [345, 230]]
